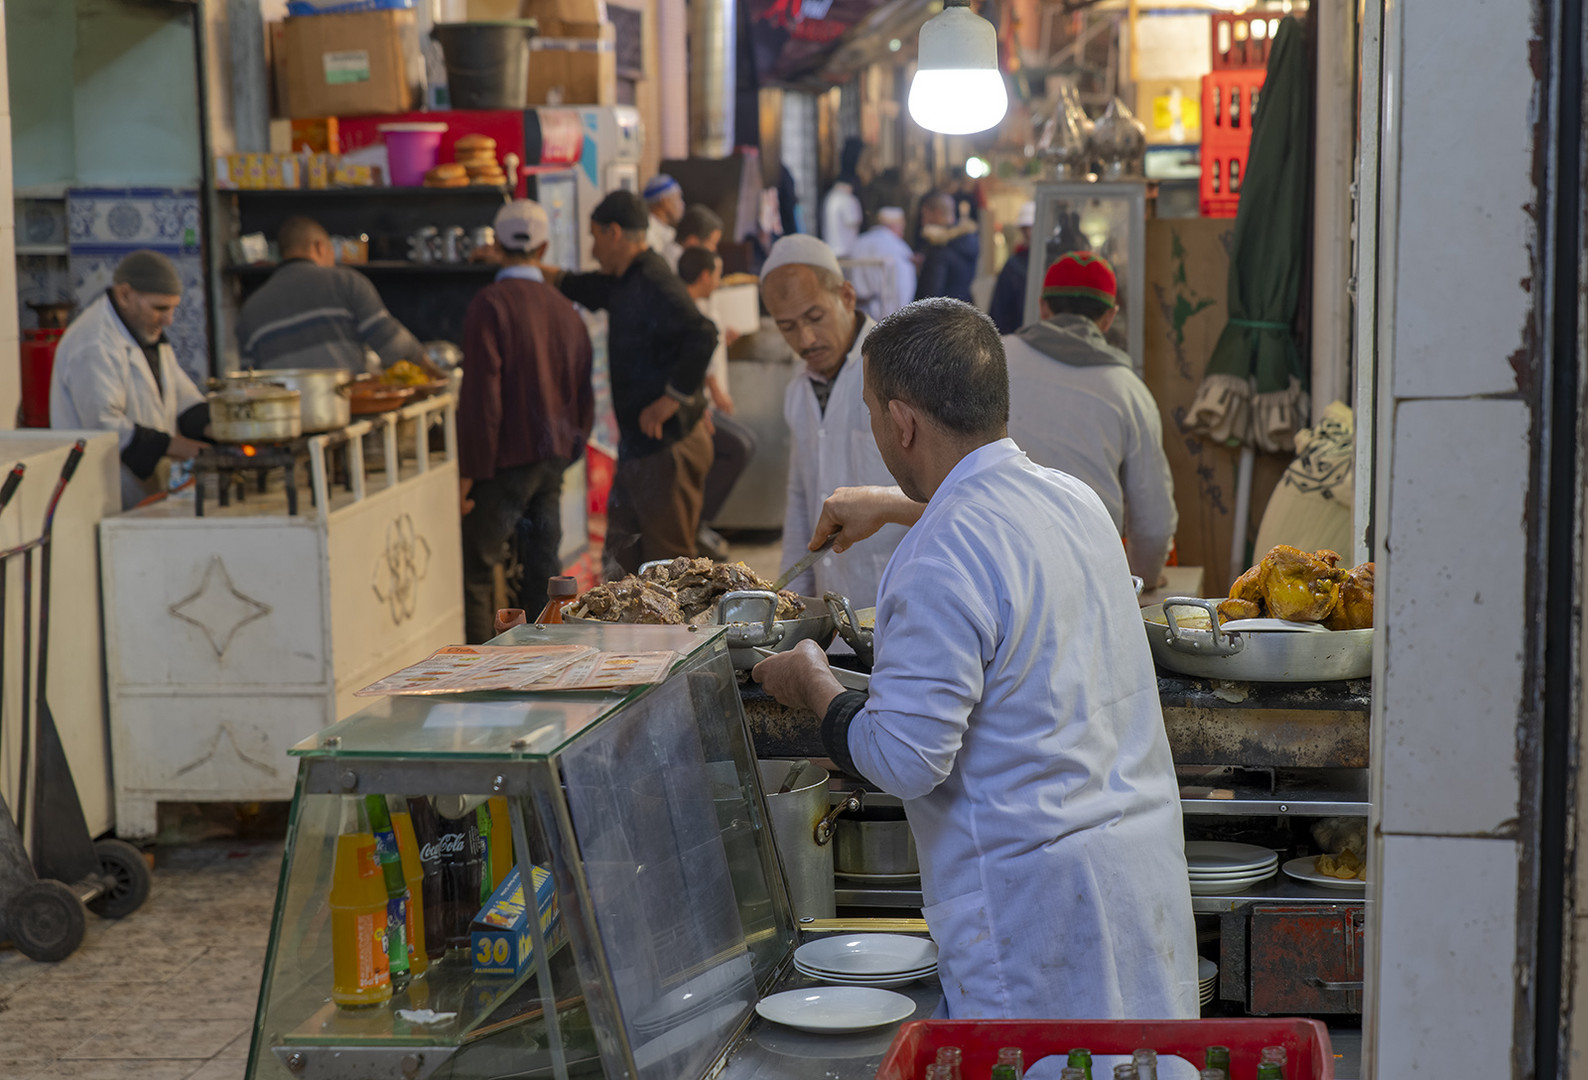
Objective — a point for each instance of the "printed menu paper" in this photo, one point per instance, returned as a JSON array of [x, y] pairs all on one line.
[[461, 669]]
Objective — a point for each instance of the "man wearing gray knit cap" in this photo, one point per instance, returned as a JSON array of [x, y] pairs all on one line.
[[115, 371]]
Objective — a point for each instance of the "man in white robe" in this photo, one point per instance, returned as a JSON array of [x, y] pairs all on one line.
[[814, 308], [1013, 704], [882, 266]]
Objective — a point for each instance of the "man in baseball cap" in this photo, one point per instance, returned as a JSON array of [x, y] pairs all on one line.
[[524, 413], [830, 428], [115, 371], [1077, 405]]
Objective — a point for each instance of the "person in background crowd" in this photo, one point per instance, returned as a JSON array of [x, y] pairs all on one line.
[[842, 214], [790, 213], [312, 313], [699, 227], [115, 371], [664, 200], [1008, 305], [1013, 704], [950, 247], [660, 346], [732, 443], [1077, 405], [882, 266], [525, 411], [831, 447]]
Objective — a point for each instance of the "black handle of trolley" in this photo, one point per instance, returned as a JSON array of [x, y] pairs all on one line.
[[73, 457]]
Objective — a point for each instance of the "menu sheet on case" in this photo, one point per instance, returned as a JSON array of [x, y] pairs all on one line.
[[462, 669]]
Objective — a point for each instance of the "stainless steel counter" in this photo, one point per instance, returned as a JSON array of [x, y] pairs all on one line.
[[769, 1051]]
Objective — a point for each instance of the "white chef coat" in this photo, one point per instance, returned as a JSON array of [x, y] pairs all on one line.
[[662, 238], [102, 382], [1015, 709], [718, 367], [828, 451], [841, 218], [1098, 422], [882, 270]]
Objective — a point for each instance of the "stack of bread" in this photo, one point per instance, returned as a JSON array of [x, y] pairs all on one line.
[[447, 176], [477, 155]]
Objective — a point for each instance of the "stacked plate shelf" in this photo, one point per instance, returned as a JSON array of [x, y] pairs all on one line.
[[1217, 867], [877, 960], [1207, 979]]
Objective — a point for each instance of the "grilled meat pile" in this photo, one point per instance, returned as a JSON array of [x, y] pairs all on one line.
[[680, 591]]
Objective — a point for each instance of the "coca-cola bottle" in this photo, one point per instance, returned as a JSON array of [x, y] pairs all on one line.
[[450, 851]]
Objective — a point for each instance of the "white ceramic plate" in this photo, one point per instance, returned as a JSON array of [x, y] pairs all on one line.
[[1222, 855], [1305, 869], [1221, 888], [1243, 872], [868, 954], [883, 981], [836, 1009], [878, 879], [1206, 969]]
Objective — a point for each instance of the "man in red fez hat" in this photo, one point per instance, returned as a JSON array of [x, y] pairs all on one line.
[[1076, 404]]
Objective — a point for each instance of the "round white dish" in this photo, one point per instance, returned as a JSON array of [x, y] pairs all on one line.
[[1305, 869], [829, 1009], [878, 879], [1223, 855], [1221, 888], [868, 955], [904, 978]]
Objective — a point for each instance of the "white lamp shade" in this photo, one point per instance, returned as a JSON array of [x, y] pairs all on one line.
[[957, 87]]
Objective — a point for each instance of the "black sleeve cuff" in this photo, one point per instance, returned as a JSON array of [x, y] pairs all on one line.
[[193, 422], [835, 729], [145, 450]]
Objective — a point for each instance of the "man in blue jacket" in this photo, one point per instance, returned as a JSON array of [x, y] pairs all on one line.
[[951, 250]]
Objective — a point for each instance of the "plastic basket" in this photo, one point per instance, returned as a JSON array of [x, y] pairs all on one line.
[[1242, 40], [1229, 100], [1306, 1043]]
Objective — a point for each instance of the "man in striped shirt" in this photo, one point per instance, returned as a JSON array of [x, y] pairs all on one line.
[[312, 313]]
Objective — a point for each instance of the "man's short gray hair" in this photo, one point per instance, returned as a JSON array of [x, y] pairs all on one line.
[[944, 358]]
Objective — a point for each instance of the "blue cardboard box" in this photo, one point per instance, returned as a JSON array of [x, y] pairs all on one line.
[[500, 940]]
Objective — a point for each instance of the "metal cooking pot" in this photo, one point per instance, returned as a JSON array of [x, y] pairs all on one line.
[[751, 618], [1209, 652], [797, 816], [259, 413], [875, 840], [324, 405]]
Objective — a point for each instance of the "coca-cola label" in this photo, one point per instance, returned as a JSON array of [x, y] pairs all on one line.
[[448, 844]]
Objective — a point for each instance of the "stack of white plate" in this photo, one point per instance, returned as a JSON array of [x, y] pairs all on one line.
[[729, 985], [1207, 978], [879, 960], [1218, 868]]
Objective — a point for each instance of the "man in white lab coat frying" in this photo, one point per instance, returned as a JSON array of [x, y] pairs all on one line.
[[814, 308], [115, 371], [1013, 704]]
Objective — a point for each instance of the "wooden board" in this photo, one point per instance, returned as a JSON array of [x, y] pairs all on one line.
[[1187, 268]]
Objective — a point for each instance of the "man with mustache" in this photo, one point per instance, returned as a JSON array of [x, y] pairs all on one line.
[[831, 444]]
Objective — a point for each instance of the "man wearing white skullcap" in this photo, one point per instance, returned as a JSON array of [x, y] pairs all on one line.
[[882, 266], [832, 447]]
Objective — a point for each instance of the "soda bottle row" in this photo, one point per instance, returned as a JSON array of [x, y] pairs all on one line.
[[409, 876], [1143, 1065]]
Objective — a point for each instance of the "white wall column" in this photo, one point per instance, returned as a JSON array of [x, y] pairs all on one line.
[[672, 38]]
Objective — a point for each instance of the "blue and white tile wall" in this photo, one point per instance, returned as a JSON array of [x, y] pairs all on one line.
[[104, 224]]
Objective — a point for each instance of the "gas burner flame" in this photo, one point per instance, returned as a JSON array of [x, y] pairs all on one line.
[[249, 450]]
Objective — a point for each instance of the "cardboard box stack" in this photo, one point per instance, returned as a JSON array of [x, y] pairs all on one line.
[[353, 64], [574, 59]]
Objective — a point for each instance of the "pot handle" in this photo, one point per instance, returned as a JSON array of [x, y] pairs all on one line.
[[851, 804], [747, 630], [1214, 642]]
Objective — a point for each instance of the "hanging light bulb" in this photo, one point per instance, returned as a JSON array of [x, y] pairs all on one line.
[[958, 88]]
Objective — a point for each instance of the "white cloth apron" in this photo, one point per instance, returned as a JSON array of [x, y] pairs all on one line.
[[102, 382], [830, 451], [1015, 710]]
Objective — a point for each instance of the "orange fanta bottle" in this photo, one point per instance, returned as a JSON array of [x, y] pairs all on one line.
[[360, 970]]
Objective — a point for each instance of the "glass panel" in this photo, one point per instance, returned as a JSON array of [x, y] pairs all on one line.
[[1101, 225], [505, 725], [656, 799]]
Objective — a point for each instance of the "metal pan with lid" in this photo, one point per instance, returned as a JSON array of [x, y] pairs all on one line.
[[1185, 636]]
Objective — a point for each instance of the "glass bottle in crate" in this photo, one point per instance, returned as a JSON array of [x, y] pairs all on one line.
[[1011, 1055], [1218, 1058], [949, 1063], [398, 916], [414, 877], [360, 970], [1072, 1072], [1270, 1070], [1081, 1059], [1125, 1070], [1004, 1071], [1146, 1062]]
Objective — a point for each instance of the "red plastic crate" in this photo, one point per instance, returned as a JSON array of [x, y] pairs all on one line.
[[1306, 1043], [1238, 42], [1229, 100]]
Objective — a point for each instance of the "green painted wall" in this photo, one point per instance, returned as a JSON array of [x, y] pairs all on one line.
[[103, 92]]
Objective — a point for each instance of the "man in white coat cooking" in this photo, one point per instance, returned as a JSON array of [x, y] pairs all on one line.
[[814, 308], [115, 371], [1013, 705]]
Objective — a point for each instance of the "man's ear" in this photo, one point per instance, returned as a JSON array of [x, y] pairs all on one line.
[[905, 419]]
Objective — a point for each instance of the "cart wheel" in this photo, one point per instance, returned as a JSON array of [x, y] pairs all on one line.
[[129, 875], [46, 921]]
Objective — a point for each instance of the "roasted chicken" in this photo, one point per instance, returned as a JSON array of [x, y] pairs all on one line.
[[1355, 610], [1233, 608]]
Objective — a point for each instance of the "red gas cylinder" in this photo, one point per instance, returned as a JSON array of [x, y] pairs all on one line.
[[38, 360]]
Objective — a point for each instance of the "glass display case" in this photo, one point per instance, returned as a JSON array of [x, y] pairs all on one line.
[[1110, 219], [633, 820]]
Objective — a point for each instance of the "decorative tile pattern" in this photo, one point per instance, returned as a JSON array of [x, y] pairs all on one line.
[[103, 225]]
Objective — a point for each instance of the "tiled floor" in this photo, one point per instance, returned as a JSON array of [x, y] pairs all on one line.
[[167, 993]]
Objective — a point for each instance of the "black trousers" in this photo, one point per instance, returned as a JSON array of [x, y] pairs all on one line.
[[733, 445], [516, 521]]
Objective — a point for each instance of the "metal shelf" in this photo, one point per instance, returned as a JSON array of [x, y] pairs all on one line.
[[380, 266], [364, 192], [1308, 793], [1281, 888]]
